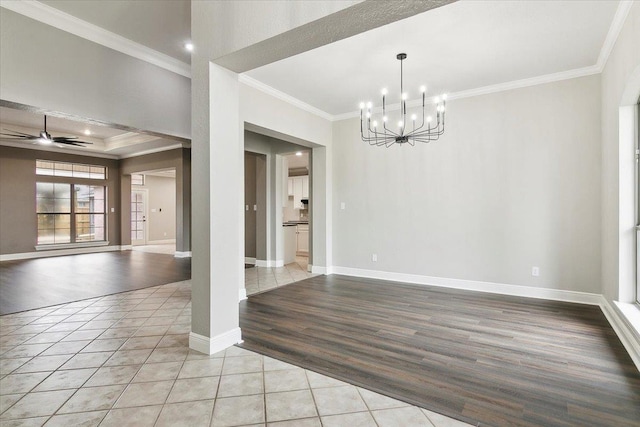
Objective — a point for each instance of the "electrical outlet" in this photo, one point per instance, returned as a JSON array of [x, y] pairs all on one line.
[[246, 208], [535, 271], [165, 234], [374, 257], [343, 205], [255, 207]]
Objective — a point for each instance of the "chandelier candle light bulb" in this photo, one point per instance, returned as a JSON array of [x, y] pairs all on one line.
[[421, 133]]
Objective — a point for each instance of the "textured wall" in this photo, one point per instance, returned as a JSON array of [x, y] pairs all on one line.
[[514, 183]]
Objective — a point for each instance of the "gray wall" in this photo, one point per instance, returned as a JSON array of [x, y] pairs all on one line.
[[88, 80], [180, 159], [18, 221], [514, 183], [162, 198]]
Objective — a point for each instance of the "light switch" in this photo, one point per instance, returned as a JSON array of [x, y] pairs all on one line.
[[153, 209], [113, 209], [255, 207], [343, 205], [246, 207]]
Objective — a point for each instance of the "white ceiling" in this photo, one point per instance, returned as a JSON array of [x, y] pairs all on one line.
[[462, 46], [161, 25], [105, 141]]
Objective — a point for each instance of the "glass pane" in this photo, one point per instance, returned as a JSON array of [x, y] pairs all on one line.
[[45, 236], [62, 191], [98, 172], [62, 235], [63, 169], [44, 168], [45, 205], [46, 221], [44, 190], [62, 221], [98, 206], [63, 205], [81, 171], [98, 233], [97, 192]]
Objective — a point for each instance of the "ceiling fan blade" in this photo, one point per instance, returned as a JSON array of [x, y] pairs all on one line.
[[65, 140], [20, 133], [68, 143], [20, 138]]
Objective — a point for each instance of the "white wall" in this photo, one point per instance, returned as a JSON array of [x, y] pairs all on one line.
[[48, 68], [620, 79], [514, 183]]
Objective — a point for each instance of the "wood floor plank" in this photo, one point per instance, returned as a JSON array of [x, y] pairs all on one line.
[[36, 283], [481, 358]]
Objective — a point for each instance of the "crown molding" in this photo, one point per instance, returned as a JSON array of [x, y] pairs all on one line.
[[269, 90], [127, 139], [69, 23], [614, 31], [150, 151]]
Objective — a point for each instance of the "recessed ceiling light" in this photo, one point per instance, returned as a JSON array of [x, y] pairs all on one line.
[[87, 132], [189, 46], [299, 153]]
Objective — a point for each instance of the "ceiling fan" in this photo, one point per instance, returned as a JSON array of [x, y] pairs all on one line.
[[44, 137]]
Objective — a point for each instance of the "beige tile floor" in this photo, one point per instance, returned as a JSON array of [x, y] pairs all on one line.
[[260, 279], [123, 360]]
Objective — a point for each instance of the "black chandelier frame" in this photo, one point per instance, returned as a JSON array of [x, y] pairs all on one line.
[[387, 137]]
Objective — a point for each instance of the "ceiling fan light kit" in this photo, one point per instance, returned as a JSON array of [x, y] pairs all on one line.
[[44, 137], [409, 131]]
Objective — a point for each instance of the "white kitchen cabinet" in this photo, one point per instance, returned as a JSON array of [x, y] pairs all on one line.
[[302, 239], [299, 189], [305, 187]]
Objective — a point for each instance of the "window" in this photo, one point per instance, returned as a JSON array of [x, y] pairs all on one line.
[[74, 170], [63, 219], [89, 212], [69, 206], [53, 206], [137, 179]]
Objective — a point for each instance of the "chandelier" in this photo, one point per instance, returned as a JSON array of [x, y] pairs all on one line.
[[408, 130]]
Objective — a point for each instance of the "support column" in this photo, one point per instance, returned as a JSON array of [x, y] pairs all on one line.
[[218, 220]]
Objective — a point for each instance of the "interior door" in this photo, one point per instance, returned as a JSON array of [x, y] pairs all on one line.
[[138, 217]]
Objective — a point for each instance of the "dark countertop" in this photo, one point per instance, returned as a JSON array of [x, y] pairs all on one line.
[[291, 223]]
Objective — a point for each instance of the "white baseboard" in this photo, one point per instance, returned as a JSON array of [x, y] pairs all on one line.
[[249, 260], [161, 242], [319, 270], [215, 344], [242, 294], [186, 254], [61, 252], [626, 332], [126, 247], [269, 263], [472, 285]]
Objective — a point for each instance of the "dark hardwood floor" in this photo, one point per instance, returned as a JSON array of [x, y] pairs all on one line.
[[36, 283], [481, 358]]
